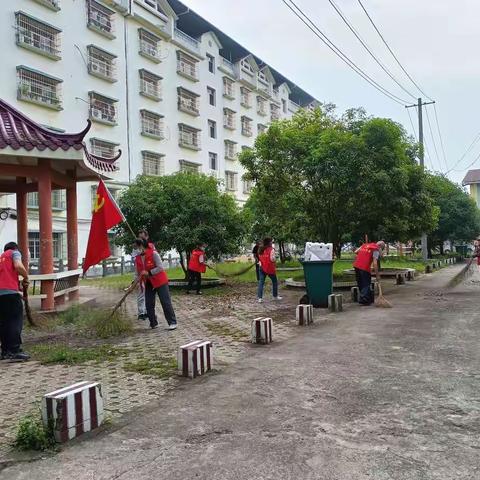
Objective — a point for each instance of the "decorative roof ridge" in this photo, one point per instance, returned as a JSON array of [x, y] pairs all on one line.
[[101, 163]]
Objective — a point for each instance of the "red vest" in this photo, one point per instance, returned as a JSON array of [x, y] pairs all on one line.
[[146, 262], [8, 274], [266, 263], [194, 263], [365, 256]]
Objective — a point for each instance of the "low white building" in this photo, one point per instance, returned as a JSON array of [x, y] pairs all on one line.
[[157, 81]]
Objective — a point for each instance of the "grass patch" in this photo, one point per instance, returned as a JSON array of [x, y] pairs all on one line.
[[226, 331], [32, 434], [160, 367], [68, 355]]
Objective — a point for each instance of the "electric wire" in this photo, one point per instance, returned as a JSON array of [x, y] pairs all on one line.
[[318, 33], [391, 51], [413, 126], [467, 151], [440, 136], [433, 140], [367, 48]]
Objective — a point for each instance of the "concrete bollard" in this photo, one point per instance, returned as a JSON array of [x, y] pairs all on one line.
[[73, 410], [262, 330], [195, 358], [335, 302], [400, 279], [428, 269], [355, 292], [410, 275], [339, 302], [304, 315]]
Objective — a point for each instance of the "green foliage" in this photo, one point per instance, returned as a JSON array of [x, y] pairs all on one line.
[[459, 218], [32, 434], [69, 355], [160, 367], [182, 210]]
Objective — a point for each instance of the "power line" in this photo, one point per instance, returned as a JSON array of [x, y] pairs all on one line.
[[440, 136], [364, 44], [413, 126], [433, 139], [318, 33], [391, 51], [467, 151], [469, 166]]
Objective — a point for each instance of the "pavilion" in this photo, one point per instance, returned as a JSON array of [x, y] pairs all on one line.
[[36, 159]]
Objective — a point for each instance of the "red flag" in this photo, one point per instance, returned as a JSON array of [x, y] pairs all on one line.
[[105, 216]]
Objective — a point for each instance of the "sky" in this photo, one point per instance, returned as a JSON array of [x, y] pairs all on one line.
[[435, 40]]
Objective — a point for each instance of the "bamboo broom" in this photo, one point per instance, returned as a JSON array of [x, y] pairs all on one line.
[[381, 301]]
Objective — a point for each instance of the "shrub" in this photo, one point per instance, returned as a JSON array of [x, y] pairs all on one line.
[[32, 434]]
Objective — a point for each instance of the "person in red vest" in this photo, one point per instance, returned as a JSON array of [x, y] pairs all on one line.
[[148, 265], [266, 257], [367, 255], [11, 306], [196, 266]]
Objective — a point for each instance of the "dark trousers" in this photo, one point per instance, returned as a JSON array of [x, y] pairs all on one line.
[[11, 323], [261, 284], [165, 300], [364, 282], [194, 277], [257, 270]]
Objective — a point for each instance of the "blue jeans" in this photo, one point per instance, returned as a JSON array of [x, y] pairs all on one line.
[[364, 281], [261, 283]]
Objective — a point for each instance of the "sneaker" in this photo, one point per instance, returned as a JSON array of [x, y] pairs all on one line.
[[260, 300], [17, 357], [173, 326], [153, 327], [278, 298], [142, 317]]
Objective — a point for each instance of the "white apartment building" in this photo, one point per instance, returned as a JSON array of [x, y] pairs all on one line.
[[156, 80]]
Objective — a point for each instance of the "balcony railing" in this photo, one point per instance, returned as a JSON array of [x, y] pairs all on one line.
[[101, 67], [190, 140], [186, 40], [293, 107], [229, 122], [103, 111], [152, 126], [227, 66], [100, 19], [34, 35], [187, 69], [151, 89], [39, 93], [247, 130], [188, 105]]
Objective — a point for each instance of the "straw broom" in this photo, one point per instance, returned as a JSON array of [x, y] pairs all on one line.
[[462, 274], [129, 290], [381, 301]]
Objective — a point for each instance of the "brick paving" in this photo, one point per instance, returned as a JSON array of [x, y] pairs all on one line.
[[225, 320]]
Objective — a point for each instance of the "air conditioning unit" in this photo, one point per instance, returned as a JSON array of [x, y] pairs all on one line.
[[94, 67], [96, 113]]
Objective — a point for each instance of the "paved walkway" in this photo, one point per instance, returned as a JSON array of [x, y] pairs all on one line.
[[367, 394], [223, 320]]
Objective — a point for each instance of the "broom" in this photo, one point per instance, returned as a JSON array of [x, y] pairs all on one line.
[[236, 274], [381, 301], [28, 311], [129, 290], [461, 275]]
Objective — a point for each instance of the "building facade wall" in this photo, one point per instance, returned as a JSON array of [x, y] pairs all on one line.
[[128, 16]]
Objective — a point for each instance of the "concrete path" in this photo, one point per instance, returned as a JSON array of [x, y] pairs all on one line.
[[366, 394]]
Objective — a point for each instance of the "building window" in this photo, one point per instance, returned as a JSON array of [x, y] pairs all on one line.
[[36, 87], [58, 200], [212, 128], [263, 83], [247, 186], [150, 85], [102, 148], [247, 126], [230, 150], [261, 128], [102, 109], [149, 45], [211, 96], [101, 63], [51, 4], [261, 106], [211, 63], [228, 88], [152, 125], [187, 66], [187, 101], [274, 111], [229, 119], [231, 181], [245, 94], [284, 105], [100, 18], [37, 36], [213, 160], [189, 167], [189, 137], [34, 245], [155, 5], [153, 164]]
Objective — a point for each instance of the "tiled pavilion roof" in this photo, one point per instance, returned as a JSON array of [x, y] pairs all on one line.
[[18, 131]]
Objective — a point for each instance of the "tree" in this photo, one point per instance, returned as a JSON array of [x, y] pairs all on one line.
[[179, 211], [459, 218]]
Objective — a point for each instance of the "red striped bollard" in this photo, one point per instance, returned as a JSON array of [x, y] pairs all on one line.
[[304, 314], [262, 330], [73, 410], [195, 358]]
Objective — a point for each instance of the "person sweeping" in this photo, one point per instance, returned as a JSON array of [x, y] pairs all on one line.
[[266, 256], [368, 255], [196, 266]]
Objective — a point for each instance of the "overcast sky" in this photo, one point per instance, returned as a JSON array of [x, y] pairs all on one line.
[[436, 41]]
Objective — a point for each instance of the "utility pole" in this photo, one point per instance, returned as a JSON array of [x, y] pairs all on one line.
[[421, 156]]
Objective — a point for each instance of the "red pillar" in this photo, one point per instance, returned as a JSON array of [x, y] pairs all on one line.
[[22, 220], [46, 234], [72, 234]]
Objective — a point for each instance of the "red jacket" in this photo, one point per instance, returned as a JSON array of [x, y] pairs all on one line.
[[365, 256], [194, 264], [268, 266], [146, 262], [8, 274]]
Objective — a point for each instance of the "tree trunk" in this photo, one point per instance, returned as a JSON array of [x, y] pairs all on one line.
[[182, 264], [281, 251], [337, 250], [441, 248]]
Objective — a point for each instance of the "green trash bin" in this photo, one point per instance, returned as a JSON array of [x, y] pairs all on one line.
[[319, 281]]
